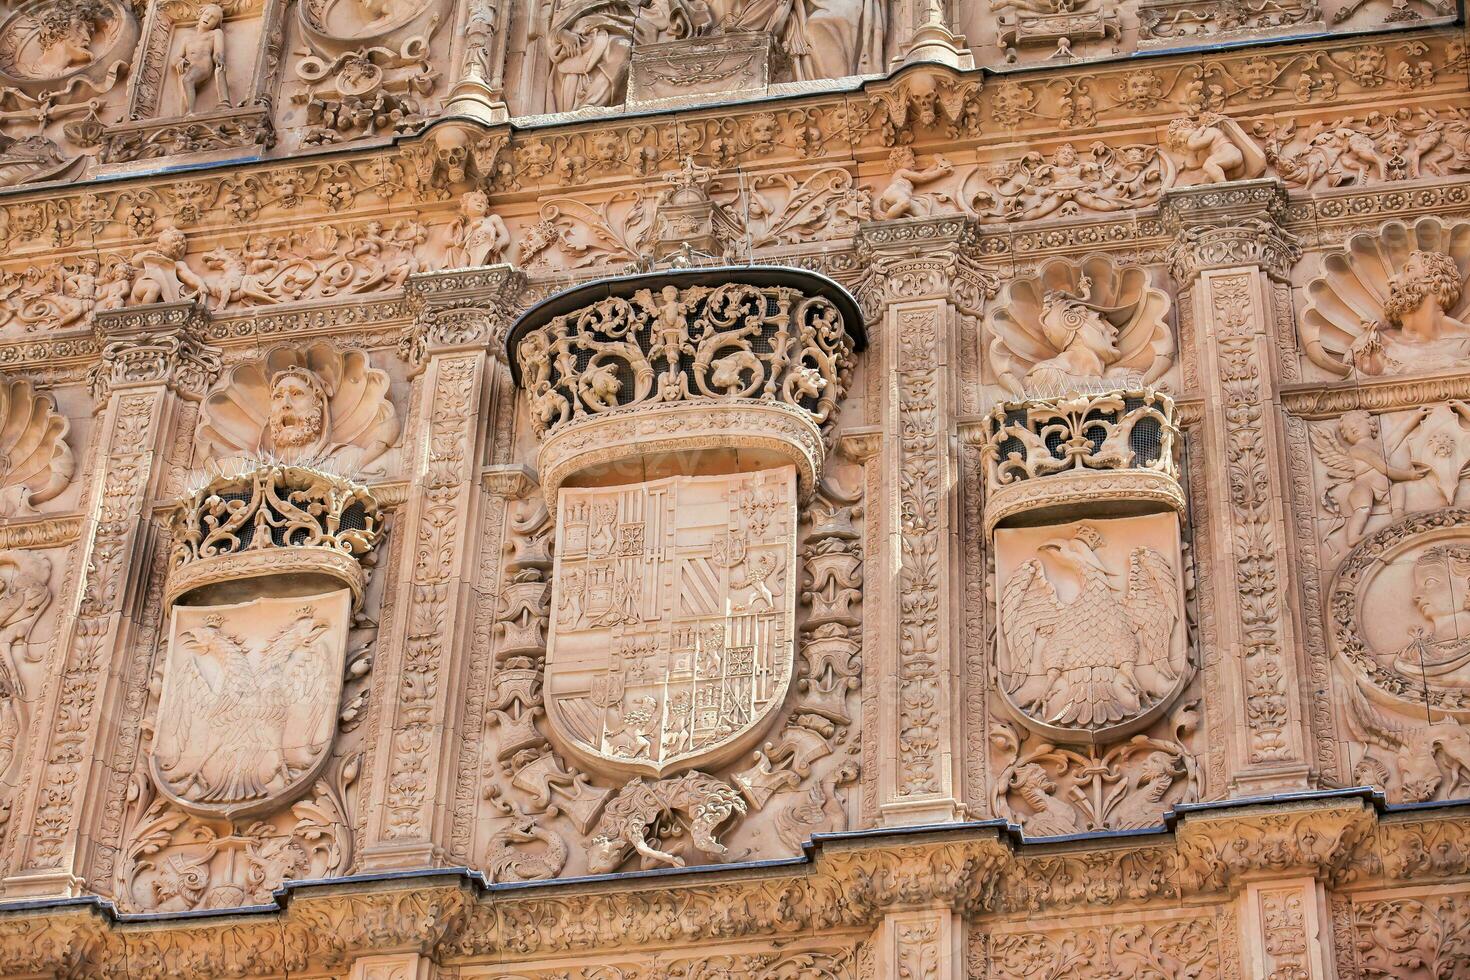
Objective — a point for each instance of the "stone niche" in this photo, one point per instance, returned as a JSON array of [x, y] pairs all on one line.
[[683, 420]]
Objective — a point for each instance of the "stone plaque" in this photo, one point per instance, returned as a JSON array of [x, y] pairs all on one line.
[[673, 611], [731, 63], [1092, 641], [249, 702]]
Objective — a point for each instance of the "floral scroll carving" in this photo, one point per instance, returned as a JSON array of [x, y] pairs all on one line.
[[36, 462], [312, 404], [1079, 326], [1392, 302]]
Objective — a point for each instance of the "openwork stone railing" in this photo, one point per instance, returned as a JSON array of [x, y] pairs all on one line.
[[1117, 450], [275, 520], [754, 360]]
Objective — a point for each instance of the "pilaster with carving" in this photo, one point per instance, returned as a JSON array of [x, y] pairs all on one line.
[[1228, 250], [151, 358], [415, 764]]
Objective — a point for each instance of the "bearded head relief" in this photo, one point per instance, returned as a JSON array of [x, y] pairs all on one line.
[[298, 412], [1420, 298], [310, 404]]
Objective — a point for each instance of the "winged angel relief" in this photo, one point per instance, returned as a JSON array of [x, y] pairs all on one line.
[[249, 702], [1092, 646]]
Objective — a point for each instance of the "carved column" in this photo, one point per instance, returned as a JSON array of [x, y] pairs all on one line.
[[920, 725], [479, 90], [1228, 248], [927, 943], [452, 342], [925, 26], [151, 357]]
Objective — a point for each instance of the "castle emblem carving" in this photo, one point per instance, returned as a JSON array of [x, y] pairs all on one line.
[[672, 619], [249, 702], [1092, 632]]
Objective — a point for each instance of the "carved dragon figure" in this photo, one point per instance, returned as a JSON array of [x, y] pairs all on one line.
[[641, 807], [507, 862]]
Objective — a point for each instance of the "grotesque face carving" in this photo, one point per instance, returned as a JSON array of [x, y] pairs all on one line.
[[298, 418]]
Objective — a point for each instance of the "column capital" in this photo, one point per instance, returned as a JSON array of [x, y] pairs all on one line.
[[1220, 226], [461, 309], [161, 343], [922, 259]]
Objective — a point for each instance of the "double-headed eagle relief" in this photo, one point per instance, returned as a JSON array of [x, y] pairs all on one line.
[[249, 701], [1092, 630], [672, 619]]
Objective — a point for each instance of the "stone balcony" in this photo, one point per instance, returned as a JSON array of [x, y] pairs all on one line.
[[1112, 453], [711, 370], [297, 523]]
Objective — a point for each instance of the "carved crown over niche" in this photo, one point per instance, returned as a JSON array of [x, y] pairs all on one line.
[[751, 360], [36, 463], [1079, 326], [311, 404], [1392, 302]]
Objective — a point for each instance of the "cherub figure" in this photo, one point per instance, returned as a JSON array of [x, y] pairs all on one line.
[[1212, 148], [899, 199], [476, 237], [203, 55], [1361, 473]]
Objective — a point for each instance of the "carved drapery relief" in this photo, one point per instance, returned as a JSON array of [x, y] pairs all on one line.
[[1391, 302], [1079, 326], [36, 462], [315, 404], [672, 630]]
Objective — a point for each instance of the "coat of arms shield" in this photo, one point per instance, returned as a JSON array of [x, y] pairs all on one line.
[[249, 702], [673, 615]]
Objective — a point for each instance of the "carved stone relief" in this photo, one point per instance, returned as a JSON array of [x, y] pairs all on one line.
[[672, 623], [36, 461], [1391, 302], [1091, 626], [25, 595], [1079, 327], [316, 404]]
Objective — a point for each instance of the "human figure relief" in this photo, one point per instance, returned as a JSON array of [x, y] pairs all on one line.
[[201, 56], [1440, 654], [162, 274], [1212, 149], [476, 237], [1102, 656], [1050, 816], [1416, 315], [899, 199], [25, 593], [1354, 458], [589, 59]]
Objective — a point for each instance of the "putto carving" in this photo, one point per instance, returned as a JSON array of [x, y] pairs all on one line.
[[249, 702], [36, 463], [699, 360], [1392, 302], [313, 404], [476, 237], [673, 620], [1212, 148], [1092, 641], [1049, 454], [1079, 326]]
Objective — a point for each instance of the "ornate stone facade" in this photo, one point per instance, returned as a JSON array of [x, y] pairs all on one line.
[[802, 490]]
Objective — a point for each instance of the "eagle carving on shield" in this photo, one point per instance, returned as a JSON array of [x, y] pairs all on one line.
[[249, 702], [1105, 655]]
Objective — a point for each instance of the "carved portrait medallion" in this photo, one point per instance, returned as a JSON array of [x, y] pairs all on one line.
[[1091, 638], [1401, 611], [249, 702], [361, 21], [673, 612], [47, 43]]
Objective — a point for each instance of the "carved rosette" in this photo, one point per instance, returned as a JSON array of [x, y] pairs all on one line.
[[734, 369], [1076, 454], [304, 524]]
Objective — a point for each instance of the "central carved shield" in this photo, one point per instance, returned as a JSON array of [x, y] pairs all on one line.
[[249, 702], [673, 612]]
